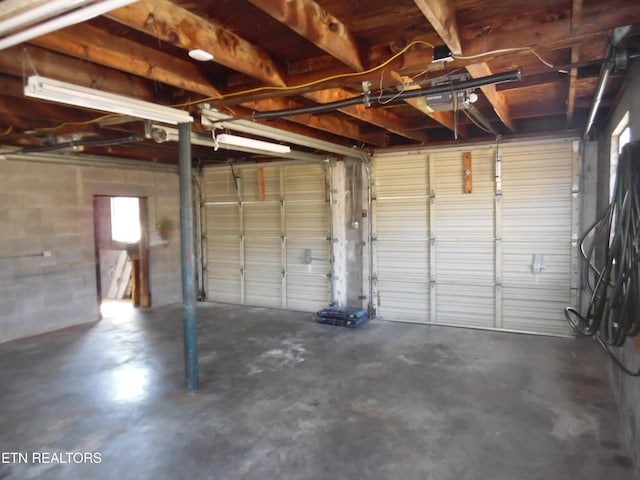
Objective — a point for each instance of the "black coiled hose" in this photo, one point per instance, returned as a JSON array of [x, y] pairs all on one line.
[[612, 276]]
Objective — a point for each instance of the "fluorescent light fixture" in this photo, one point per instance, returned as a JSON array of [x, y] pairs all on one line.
[[200, 55], [161, 134], [62, 92], [212, 119], [37, 14], [235, 140], [72, 18]]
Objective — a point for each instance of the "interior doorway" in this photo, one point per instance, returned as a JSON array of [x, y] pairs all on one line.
[[121, 251]]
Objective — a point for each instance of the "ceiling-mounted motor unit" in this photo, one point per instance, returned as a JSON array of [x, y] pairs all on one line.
[[446, 102]]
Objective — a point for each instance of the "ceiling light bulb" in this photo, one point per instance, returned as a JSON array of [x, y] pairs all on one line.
[[473, 97], [200, 55]]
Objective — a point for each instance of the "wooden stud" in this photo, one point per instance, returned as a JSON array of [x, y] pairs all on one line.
[[468, 186], [262, 193]]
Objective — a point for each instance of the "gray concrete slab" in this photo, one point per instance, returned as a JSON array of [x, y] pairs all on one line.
[[285, 398]]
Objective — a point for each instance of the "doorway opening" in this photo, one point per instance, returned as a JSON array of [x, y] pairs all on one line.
[[122, 253]]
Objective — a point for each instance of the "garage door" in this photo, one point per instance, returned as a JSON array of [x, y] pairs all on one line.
[[501, 256], [267, 236]]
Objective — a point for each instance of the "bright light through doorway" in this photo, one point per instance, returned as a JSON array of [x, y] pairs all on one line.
[[125, 219]]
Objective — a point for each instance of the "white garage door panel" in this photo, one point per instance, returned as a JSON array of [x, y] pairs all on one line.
[[462, 264], [481, 270], [222, 223], [308, 245], [534, 309], [468, 306], [401, 177], [537, 212], [408, 301], [305, 182], [306, 219], [219, 186], [307, 293], [251, 184], [307, 257], [273, 250], [464, 231]]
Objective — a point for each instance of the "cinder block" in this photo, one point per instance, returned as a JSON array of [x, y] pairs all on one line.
[[20, 183], [102, 175], [171, 190], [116, 190], [10, 231], [13, 199], [36, 198], [136, 177], [24, 215], [40, 229], [166, 178]]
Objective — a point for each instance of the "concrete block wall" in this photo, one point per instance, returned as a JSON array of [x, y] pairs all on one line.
[[627, 388], [49, 207]]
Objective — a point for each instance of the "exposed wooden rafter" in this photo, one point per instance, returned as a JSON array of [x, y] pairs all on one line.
[[576, 14], [442, 17], [30, 60], [97, 46], [597, 19], [317, 25], [178, 26]]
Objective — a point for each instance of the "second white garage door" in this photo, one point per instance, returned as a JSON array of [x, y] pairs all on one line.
[[502, 256]]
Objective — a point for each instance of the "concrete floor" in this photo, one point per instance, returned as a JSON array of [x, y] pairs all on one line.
[[286, 398]]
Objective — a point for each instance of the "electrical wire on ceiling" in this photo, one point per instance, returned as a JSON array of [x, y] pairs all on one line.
[[506, 51], [610, 250], [316, 82]]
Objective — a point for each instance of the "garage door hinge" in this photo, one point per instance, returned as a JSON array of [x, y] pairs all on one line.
[[432, 196], [284, 273], [575, 190], [574, 239], [362, 297]]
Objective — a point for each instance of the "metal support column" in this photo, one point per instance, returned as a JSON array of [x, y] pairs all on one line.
[[188, 260]]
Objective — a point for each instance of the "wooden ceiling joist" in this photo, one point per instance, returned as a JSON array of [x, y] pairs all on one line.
[[95, 45], [442, 18], [576, 14], [32, 60], [178, 26], [597, 19], [317, 25]]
